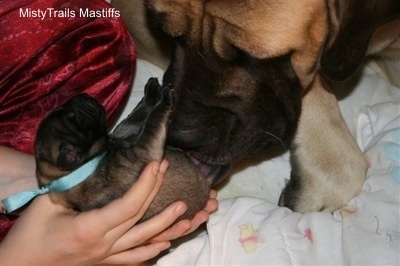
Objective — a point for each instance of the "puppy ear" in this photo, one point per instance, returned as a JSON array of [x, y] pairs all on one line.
[[176, 16], [69, 157], [356, 22]]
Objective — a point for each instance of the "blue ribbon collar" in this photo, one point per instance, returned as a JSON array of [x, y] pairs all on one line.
[[64, 183]]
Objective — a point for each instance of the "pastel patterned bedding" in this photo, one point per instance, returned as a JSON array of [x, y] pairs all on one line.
[[249, 228]]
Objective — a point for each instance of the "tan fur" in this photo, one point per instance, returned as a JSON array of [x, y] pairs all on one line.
[[151, 44], [331, 165], [303, 34], [260, 38]]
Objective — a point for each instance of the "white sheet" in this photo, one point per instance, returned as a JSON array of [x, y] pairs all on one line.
[[249, 229]]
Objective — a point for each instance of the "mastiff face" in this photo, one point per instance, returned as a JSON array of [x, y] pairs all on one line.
[[239, 77], [241, 67], [247, 75]]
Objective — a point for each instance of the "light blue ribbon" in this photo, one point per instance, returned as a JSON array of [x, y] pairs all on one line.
[[64, 183]]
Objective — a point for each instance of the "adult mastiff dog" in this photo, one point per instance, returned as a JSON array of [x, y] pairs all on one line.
[[249, 75]]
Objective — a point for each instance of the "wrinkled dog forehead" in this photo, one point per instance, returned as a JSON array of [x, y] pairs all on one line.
[[86, 109], [261, 29]]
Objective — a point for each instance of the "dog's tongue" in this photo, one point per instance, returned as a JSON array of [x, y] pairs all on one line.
[[212, 173], [203, 168]]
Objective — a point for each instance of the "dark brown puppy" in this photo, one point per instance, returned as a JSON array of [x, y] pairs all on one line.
[[76, 132]]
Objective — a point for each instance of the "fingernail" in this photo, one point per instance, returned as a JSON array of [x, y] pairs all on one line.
[[164, 166], [165, 245], [180, 209], [156, 168]]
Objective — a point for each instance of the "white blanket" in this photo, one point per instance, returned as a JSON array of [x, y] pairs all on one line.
[[251, 231], [249, 228]]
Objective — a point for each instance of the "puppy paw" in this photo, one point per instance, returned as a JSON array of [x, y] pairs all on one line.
[[152, 92]]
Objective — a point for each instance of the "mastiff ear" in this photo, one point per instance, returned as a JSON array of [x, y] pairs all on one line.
[[353, 23], [175, 16], [69, 157]]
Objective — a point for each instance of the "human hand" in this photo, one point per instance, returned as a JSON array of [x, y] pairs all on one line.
[[47, 233], [17, 171]]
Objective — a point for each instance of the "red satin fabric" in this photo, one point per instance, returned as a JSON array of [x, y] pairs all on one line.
[[45, 62]]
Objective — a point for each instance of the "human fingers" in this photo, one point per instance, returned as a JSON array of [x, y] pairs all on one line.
[[213, 194], [50, 239], [212, 203], [182, 228], [85, 234], [121, 214], [137, 254], [140, 233], [203, 215]]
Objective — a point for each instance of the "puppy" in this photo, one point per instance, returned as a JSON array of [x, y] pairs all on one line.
[[76, 133]]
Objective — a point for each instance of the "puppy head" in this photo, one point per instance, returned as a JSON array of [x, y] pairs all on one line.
[[69, 136]]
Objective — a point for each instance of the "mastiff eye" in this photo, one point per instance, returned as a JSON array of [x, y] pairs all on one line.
[[230, 53]]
